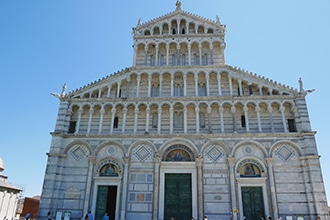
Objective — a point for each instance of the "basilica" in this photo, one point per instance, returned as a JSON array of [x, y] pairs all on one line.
[[181, 134]]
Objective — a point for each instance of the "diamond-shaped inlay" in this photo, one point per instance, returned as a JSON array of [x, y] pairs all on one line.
[[285, 153], [142, 153], [214, 153], [78, 152]]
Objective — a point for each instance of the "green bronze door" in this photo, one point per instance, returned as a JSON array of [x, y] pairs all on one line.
[[178, 198], [253, 202], [106, 201]]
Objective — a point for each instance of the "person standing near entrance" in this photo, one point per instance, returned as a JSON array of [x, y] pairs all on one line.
[[105, 217], [90, 215]]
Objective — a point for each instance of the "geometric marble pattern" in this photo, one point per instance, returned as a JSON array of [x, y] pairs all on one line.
[[214, 153], [284, 153], [142, 153], [78, 152]]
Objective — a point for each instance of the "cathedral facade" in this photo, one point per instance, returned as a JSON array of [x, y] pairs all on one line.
[[181, 134]]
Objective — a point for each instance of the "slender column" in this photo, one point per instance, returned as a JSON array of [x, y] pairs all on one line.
[[270, 110], [109, 90], [118, 89], [159, 124], [113, 112], [91, 162], [156, 161], [282, 109], [231, 163], [91, 110], [147, 119], [135, 53], [230, 85], [272, 187], [200, 194], [178, 26], [100, 93], [172, 85], [197, 119], [102, 111], [124, 120], [270, 91], [185, 120], [167, 54], [136, 112], [260, 90], [258, 118], [157, 51], [211, 54], [246, 111], [233, 111], [149, 86], [80, 111], [184, 85], [126, 163], [178, 63], [207, 84], [138, 79], [171, 119], [221, 119], [196, 84], [160, 85], [128, 85], [250, 89], [219, 83], [189, 54], [209, 111], [200, 54], [145, 55]]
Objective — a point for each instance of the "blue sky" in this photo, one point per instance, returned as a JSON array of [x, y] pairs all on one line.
[[44, 44]]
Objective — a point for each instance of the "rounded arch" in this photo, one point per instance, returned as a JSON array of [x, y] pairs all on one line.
[[102, 165], [166, 147], [107, 143], [250, 167], [78, 143], [284, 143], [250, 142]]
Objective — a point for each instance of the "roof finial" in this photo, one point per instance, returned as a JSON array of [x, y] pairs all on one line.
[[178, 5], [63, 93]]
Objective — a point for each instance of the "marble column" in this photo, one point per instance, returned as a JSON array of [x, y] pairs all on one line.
[[258, 118], [197, 119], [221, 119], [207, 84], [185, 120], [246, 115], [80, 111], [136, 112], [200, 194], [91, 111], [282, 109], [118, 89], [113, 112], [89, 183], [196, 84], [273, 196], [147, 119], [124, 120], [159, 124], [171, 119], [270, 110], [230, 85], [160, 85], [209, 111], [102, 111], [184, 85], [138, 80], [126, 163], [233, 111], [231, 163], [156, 161], [149, 86], [219, 83]]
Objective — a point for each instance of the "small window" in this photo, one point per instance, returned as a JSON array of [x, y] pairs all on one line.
[[154, 120], [115, 123], [72, 127], [292, 125], [243, 122], [202, 120]]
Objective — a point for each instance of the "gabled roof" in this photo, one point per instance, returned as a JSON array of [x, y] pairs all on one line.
[[234, 71]]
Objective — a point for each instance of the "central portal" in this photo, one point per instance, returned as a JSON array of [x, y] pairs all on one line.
[[253, 203], [178, 196], [106, 201]]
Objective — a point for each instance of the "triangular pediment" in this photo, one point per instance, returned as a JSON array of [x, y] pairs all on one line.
[[142, 27]]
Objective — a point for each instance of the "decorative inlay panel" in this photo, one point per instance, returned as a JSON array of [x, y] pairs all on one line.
[[215, 153], [285, 153], [142, 152], [78, 152]]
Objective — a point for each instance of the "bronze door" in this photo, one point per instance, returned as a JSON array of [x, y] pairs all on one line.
[[178, 196], [253, 203], [106, 201]]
